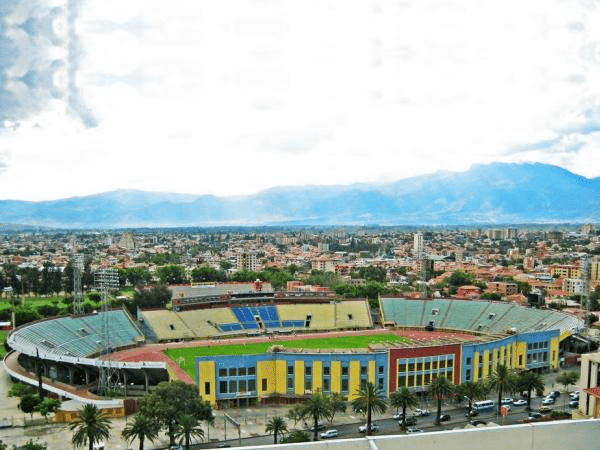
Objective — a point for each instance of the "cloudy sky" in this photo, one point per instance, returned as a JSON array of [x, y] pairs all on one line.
[[230, 97]]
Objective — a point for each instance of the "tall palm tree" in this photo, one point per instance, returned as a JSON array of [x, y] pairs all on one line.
[[188, 427], [503, 380], [530, 381], [471, 391], [440, 389], [316, 407], [277, 426], [403, 398], [90, 427], [141, 428], [368, 401]]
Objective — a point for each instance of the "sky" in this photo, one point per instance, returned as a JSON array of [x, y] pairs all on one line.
[[230, 97]]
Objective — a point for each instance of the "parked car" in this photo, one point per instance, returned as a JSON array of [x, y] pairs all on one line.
[[444, 417], [548, 401], [507, 401], [363, 428], [574, 394], [556, 394], [545, 409], [320, 427], [534, 416], [398, 416], [409, 421], [329, 434], [422, 412], [507, 407], [414, 430], [574, 403], [472, 413], [176, 447], [478, 422], [520, 402]]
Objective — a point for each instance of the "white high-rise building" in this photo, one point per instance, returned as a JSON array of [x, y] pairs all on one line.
[[418, 244]]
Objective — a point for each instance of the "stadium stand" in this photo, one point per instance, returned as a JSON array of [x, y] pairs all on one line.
[[77, 335], [352, 315], [484, 316]]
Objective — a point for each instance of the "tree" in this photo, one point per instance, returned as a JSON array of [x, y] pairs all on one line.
[[140, 428], [440, 389], [503, 380], [20, 390], [567, 379], [169, 400], [316, 407], [369, 401], [154, 297], [403, 399], [200, 274], [277, 426], [91, 427], [337, 403], [47, 407], [29, 402], [471, 391], [187, 428], [30, 445], [295, 414], [530, 381], [296, 436], [172, 274]]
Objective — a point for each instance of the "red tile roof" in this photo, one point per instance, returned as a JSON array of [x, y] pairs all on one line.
[[595, 391]]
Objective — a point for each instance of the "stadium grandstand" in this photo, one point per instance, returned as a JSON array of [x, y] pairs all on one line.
[[459, 339]]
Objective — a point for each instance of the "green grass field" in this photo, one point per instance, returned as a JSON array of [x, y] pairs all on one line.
[[3, 335], [361, 341]]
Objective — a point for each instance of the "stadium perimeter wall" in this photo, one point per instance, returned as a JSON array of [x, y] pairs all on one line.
[[559, 435]]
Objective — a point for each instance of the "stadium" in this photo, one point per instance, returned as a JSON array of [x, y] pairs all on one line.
[[242, 344]]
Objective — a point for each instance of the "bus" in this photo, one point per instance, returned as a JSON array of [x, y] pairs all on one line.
[[484, 405]]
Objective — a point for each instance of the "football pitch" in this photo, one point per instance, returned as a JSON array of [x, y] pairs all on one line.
[[361, 341]]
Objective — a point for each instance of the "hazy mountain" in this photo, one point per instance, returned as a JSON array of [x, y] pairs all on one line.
[[494, 193]]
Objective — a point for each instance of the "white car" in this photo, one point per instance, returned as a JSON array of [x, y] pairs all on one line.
[[548, 401], [507, 401], [329, 434], [363, 428], [414, 430], [520, 402], [422, 412]]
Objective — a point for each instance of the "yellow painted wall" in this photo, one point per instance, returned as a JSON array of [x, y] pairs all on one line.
[[336, 376], [553, 349], [281, 377], [372, 372], [207, 374], [476, 374], [265, 369], [521, 351], [486, 362], [172, 374], [299, 379], [354, 379], [317, 376]]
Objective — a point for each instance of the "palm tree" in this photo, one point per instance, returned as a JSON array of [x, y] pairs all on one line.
[[295, 414], [368, 401], [530, 381], [403, 398], [316, 407], [90, 427], [440, 389], [188, 427], [337, 403], [503, 380], [471, 391], [141, 428], [277, 426]]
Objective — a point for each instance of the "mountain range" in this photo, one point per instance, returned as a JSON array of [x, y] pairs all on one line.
[[498, 193]]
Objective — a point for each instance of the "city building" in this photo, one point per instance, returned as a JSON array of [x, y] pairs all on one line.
[[589, 381]]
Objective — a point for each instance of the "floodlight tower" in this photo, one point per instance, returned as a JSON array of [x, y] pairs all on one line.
[[105, 281], [77, 264]]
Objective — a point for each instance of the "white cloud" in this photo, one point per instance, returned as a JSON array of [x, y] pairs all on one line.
[[243, 95]]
